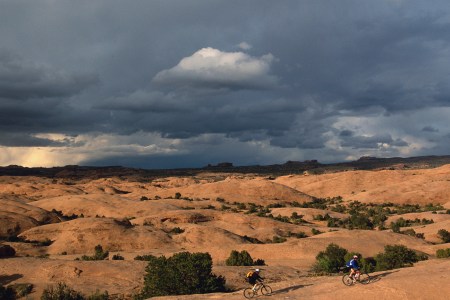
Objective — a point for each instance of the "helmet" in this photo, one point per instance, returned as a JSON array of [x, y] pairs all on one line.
[[355, 256], [256, 270]]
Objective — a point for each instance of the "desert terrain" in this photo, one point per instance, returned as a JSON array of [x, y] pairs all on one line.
[[50, 222]]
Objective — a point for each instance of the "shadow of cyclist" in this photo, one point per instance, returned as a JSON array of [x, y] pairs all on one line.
[[289, 289], [374, 278], [5, 279]]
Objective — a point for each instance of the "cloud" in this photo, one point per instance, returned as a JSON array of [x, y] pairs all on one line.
[[210, 68], [244, 46], [20, 80]]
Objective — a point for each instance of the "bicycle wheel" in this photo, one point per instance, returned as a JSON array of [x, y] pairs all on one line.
[[364, 278], [266, 290], [347, 280], [248, 293]]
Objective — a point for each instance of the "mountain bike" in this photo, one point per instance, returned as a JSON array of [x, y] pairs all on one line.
[[363, 278], [265, 290]]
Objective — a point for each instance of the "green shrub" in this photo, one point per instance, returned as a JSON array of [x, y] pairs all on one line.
[[61, 292], [443, 253], [117, 257], [444, 235], [176, 230], [259, 262], [395, 256], [145, 257], [98, 255], [278, 239], [183, 273], [21, 289], [177, 195], [330, 260], [242, 258], [315, 231]]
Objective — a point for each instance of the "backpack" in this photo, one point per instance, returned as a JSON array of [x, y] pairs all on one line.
[[249, 275]]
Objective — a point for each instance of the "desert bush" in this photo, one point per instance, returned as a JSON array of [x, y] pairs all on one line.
[[396, 256], [259, 262], [278, 239], [443, 253], [98, 255], [183, 273], [7, 251], [176, 230], [117, 257], [145, 257], [242, 258], [444, 235], [61, 292], [316, 231], [177, 195], [21, 289], [330, 260]]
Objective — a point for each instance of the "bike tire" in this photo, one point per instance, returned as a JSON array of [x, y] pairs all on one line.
[[266, 290], [347, 280], [364, 278], [248, 293]]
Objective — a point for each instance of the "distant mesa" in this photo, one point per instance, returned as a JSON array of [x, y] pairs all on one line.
[[221, 165]]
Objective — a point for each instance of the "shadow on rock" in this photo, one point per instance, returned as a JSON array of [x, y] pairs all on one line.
[[5, 279], [378, 277], [289, 289]]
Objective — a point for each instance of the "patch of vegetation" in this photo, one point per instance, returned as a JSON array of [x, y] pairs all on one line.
[[330, 260], [183, 273], [145, 257], [243, 258], [176, 230], [61, 291], [21, 289], [315, 231], [444, 235], [278, 239], [98, 255], [396, 256], [117, 257], [443, 253]]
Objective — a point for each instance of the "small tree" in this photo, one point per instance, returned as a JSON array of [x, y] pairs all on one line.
[[183, 273], [242, 258], [395, 256], [331, 259], [443, 253], [444, 235]]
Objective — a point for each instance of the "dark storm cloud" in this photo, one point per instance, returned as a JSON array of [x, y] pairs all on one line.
[[251, 71], [20, 80]]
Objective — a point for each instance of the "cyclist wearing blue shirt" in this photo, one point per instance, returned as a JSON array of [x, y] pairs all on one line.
[[354, 267]]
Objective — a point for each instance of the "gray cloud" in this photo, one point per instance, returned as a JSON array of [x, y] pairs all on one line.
[[20, 80]]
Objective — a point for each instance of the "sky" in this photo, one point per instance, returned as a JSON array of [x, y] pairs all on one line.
[[186, 83]]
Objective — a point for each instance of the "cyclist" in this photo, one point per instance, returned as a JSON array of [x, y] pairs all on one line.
[[254, 278], [354, 268]]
